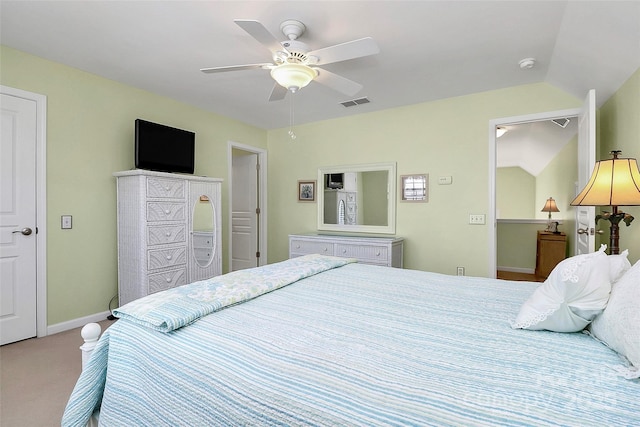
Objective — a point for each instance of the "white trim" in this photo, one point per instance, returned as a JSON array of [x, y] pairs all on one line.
[[493, 124], [518, 270], [41, 202], [77, 323], [527, 221], [262, 235]]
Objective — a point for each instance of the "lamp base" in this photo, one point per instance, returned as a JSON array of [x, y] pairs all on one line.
[[614, 218]]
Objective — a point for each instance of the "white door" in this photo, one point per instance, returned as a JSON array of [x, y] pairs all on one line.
[[17, 219], [244, 211], [584, 233]]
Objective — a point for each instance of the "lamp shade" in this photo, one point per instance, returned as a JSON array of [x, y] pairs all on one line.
[[293, 76], [550, 206], [614, 182]]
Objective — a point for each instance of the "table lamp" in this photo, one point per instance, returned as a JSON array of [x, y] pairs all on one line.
[[614, 182], [550, 206]]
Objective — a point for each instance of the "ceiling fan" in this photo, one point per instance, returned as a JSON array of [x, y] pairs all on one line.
[[295, 65]]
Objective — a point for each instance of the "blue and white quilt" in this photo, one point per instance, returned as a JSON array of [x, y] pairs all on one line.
[[352, 345]]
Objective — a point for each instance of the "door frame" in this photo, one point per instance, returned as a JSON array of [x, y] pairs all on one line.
[[493, 124], [41, 202], [262, 197]]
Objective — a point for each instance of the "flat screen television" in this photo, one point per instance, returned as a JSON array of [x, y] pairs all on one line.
[[335, 180], [164, 148]]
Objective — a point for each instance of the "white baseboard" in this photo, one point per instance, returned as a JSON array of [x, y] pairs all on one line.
[[77, 323], [518, 270]]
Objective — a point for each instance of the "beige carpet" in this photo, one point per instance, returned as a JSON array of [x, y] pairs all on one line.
[[37, 377]]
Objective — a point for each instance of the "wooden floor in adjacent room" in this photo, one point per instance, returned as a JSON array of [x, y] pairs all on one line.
[[511, 275]]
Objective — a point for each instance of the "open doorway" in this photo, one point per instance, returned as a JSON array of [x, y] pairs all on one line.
[[536, 171], [247, 207], [499, 217]]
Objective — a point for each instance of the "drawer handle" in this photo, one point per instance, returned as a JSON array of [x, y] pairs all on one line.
[[167, 211], [325, 249], [166, 188], [168, 234], [297, 246], [378, 253], [169, 257], [344, 251], [168, 279]]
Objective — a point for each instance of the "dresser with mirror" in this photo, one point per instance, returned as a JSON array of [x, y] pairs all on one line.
[[169, 231]]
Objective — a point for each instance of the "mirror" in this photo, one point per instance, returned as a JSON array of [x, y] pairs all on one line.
[[203, 239], [357, 198]]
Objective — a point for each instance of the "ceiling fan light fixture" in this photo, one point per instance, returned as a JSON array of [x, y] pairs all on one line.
[[293, 76]]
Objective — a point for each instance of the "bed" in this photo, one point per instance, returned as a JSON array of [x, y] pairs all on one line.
[[324, 341]]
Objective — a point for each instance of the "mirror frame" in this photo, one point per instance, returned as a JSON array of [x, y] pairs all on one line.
[[200, 201], [390, 228]]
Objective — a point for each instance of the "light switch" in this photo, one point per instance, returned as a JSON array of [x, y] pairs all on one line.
[[445, 180], [65, 222]]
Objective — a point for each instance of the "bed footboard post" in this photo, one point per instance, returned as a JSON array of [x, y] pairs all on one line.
[[90, 333]]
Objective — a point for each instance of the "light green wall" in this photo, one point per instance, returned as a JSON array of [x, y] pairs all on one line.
[[516, 244], [515, 193], [558, 180], [442, 138], [620, 130], [90, 134], [520, 195]]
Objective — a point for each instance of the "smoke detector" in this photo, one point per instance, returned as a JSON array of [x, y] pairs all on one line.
[[527, 63]]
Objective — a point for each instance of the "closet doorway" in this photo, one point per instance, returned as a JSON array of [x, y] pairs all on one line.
[[247, 202]]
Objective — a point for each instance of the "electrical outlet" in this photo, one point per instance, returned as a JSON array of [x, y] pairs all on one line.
[[476, 219], [65, 222], [460, 271]]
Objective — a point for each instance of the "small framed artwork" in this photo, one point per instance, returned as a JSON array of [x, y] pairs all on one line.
[[414, 188], [306, 191]]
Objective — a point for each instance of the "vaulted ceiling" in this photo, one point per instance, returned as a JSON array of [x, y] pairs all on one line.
[[429, 50]]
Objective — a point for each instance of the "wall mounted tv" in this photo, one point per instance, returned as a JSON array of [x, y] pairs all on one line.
[[164, 148]]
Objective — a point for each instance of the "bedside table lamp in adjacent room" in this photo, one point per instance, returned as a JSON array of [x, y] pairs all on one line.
[[550, 206], [614, 182]]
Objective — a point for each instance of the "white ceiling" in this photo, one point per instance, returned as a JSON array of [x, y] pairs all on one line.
[[428, 49], [532, 146]]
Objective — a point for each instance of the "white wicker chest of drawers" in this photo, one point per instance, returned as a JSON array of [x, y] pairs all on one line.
[[156, 244], [386, 251]]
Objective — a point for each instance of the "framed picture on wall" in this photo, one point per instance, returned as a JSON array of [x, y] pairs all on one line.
[[306, 191]]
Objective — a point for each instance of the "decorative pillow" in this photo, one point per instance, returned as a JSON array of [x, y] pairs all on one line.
[[618, 265], [619, 324], [574, 293]]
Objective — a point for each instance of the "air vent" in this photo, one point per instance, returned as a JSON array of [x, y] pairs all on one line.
[[561, 122], [354, 102]]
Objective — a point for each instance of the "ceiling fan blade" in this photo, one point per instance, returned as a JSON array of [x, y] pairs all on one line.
[[260, 33], [266, 65], [338, 83], [344, 51], [278, 93]]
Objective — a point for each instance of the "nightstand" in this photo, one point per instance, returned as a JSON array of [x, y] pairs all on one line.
[[551, 249]]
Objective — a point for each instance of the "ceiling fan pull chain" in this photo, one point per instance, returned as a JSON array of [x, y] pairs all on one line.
[[291, 117]]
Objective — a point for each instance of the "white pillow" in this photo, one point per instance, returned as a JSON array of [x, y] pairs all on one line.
[[574, 293], [618, 265], [619, 324]]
